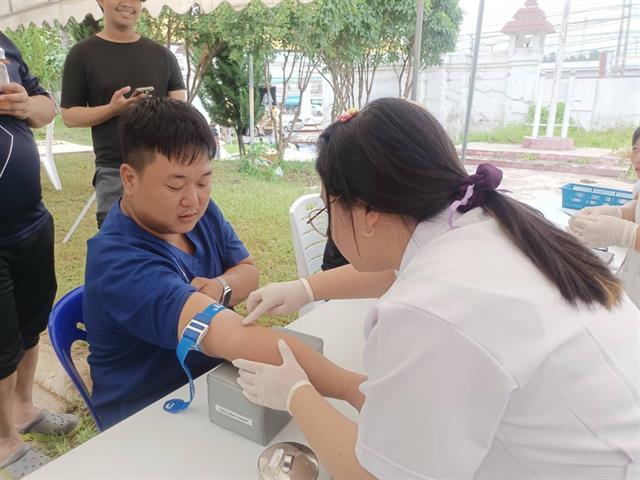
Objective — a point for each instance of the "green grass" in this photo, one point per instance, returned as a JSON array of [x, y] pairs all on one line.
[[81, 136], [612, 138], [258, 210]]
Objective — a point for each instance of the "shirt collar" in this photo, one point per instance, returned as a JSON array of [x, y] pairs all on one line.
[[424, 233]]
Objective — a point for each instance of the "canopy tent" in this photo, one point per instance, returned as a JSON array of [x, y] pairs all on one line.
[[23, 12]]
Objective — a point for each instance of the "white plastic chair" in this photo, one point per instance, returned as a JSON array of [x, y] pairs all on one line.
[[308, 245]]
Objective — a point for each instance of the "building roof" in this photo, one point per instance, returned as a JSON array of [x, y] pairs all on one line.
[[529, 19]]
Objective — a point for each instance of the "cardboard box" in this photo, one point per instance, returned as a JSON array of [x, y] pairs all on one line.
[[229, 409]]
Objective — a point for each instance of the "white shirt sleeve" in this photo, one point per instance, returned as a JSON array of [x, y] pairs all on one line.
[[434, 398]]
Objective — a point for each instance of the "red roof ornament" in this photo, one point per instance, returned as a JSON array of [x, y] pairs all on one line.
[[529, 19]]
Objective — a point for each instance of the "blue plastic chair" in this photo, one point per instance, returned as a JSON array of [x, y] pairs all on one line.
[[64, 332]]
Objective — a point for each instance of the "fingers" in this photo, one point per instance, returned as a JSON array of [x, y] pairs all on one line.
[[251, 397], [14, 97], [253, 300], [259, 309], [247, 365], [247, 377], [12, 88], [286, 353]]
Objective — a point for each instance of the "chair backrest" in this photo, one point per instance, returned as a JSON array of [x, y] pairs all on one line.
[[308, 245], [64, 331]]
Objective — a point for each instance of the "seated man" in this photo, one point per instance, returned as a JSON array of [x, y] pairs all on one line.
[[165, 253]]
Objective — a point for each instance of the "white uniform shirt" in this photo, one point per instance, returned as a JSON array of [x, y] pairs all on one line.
[[479, 369]]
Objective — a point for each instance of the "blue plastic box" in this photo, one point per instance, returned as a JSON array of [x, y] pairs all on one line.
[[577, 195]]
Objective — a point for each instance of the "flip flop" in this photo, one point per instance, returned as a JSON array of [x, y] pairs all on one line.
[[48, 423], [25, 461]]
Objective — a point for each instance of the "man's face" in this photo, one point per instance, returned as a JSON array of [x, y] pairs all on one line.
[[121, 13], [168, 198], [635, 157]]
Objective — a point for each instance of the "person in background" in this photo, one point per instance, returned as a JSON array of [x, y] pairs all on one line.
[[164, 255], [101, 80], [607, 225], [500, 347], [27, 274]]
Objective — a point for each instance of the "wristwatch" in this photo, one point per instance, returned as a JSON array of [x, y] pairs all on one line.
[[225, 298]]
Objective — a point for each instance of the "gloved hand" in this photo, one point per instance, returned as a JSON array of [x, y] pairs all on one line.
[[272, 385], [602, 210], [279, 298], [603, 231]]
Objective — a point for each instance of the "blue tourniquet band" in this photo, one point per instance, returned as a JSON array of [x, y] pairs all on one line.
[[192, 335]]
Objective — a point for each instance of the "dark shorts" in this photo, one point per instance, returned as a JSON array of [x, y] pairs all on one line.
[[27, 290]]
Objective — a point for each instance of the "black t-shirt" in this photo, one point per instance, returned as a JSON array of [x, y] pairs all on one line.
[[21, 208], [95, 68]]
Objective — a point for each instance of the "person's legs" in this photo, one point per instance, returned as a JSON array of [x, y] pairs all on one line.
[[34, 292], [10, 441], [10, 355], [108, 190], [24, 411]]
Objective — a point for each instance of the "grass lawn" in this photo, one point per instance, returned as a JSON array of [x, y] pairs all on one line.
[[612, 138], [258, 210]]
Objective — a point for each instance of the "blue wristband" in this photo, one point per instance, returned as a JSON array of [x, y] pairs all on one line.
[[192, 335]]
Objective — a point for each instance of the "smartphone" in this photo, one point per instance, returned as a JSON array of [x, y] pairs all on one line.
[[142, 91]]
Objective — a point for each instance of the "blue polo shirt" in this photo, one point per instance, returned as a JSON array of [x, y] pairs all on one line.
[[135, 288]]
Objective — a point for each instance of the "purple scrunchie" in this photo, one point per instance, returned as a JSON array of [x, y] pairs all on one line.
[[473, 189]]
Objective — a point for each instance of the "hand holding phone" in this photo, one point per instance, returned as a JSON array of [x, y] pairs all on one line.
[[142, 91]]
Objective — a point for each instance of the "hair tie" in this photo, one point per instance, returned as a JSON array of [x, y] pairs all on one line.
[[348, 115], [473, 189]]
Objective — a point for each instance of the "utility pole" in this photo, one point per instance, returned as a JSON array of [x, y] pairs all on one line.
[[557, 78], [472, 79], [417, 49], [626, 38]]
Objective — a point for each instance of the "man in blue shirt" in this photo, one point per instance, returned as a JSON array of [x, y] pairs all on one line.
[[27, 275], [165, 252]]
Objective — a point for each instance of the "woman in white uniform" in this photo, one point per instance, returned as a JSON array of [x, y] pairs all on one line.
[[500, 347], [607, 226]]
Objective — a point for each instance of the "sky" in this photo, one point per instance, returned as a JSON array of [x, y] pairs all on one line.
[[593, 24]]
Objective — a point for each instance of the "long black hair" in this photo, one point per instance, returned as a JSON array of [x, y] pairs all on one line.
[[394, 157]]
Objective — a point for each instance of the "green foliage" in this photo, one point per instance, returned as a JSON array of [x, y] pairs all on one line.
[[43, 52], [88, 27], [225, 93], [513, 133]]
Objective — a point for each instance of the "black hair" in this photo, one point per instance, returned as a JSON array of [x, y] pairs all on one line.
[[394, 157], [636, 136], [163, 125]]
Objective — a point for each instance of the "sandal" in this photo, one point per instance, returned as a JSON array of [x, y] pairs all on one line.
[[48, 423], [25, 461]]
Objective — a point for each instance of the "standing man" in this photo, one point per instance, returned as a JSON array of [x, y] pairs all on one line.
[[27, 276], [101, 75]]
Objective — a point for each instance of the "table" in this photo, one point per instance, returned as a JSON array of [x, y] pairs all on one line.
[[155, 444], [550, 205]]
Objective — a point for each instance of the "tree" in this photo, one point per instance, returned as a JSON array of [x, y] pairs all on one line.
[[225, 93], [41, 48]]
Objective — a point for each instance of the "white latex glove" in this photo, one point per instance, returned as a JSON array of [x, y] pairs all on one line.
[[602, 210], [603, 231], [279, 298], [272, 385]]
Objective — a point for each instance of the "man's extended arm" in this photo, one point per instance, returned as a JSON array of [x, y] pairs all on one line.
[[229, 339]]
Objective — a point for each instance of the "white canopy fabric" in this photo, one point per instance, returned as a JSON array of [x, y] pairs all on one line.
[[23, 12]]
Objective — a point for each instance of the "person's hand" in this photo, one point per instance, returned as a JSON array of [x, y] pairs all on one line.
[[14, 100], [603, 231], [119, 103], [608, 210], [272, 385], [276, 299], [209, 286]]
